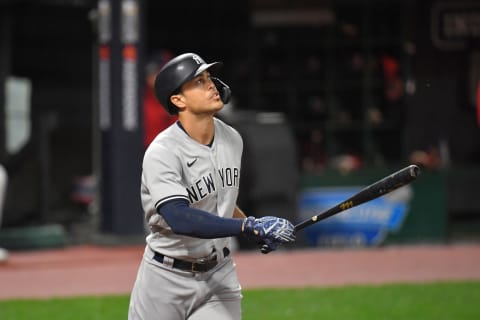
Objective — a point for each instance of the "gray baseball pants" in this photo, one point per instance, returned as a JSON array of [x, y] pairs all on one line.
[[162, 292]]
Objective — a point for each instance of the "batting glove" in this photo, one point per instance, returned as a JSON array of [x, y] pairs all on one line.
[[272, 231]]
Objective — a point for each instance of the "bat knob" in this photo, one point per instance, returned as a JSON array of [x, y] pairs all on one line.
[[265, 249]]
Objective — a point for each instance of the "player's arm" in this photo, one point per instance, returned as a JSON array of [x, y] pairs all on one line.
[[188, 221]]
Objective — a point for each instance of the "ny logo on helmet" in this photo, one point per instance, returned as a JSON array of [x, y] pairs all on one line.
[[197, 59]]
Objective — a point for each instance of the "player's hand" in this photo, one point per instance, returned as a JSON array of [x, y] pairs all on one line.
[[271, 231]]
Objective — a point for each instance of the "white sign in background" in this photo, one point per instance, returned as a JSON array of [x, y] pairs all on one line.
[[18, 92]]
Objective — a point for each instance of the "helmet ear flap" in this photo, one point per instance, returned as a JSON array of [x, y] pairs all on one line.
[[223, 89]]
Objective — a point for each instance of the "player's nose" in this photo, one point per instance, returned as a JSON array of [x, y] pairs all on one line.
[[211, 84]]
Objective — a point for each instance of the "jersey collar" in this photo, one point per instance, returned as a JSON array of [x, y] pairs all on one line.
[[181, 127]]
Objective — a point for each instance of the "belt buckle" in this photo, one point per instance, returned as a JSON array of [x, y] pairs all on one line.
[[198, 262], [202, 262]]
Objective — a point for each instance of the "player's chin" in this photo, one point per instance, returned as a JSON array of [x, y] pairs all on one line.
[[217, 104]]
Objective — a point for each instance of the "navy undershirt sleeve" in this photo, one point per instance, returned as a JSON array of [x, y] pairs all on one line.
[[198, 223]]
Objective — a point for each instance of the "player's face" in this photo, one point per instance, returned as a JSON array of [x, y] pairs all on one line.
[[201, 95]]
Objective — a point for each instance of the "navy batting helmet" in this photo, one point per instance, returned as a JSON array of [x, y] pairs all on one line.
[[181, 69]]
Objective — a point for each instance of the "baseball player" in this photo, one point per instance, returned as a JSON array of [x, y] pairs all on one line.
[[190, 181]]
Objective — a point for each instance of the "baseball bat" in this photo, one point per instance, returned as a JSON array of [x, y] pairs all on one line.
[[373, 191]]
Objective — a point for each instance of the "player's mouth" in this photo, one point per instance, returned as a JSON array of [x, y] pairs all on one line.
[[216, 96]]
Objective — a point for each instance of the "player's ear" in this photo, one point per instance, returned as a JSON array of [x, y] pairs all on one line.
[[178, 100]]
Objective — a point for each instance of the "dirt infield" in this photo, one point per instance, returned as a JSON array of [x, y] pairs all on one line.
[[96, 270]]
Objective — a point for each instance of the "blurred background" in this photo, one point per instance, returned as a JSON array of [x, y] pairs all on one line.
[[330, 96]]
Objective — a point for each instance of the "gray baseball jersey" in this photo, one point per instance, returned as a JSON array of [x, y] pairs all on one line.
[[178, 167]]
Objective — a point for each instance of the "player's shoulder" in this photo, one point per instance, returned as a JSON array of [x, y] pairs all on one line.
[[165, 140]]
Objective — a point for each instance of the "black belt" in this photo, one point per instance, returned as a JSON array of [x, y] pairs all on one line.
[[199, 266]]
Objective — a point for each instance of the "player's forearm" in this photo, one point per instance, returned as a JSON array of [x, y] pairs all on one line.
[[198, 223]]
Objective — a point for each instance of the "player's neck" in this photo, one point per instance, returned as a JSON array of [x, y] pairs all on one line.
[[201, 129]]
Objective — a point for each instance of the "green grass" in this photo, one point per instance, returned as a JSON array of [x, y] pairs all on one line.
[[433, 301], [450, 300]]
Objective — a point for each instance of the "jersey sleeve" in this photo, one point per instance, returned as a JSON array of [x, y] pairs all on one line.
[[162, 175]]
